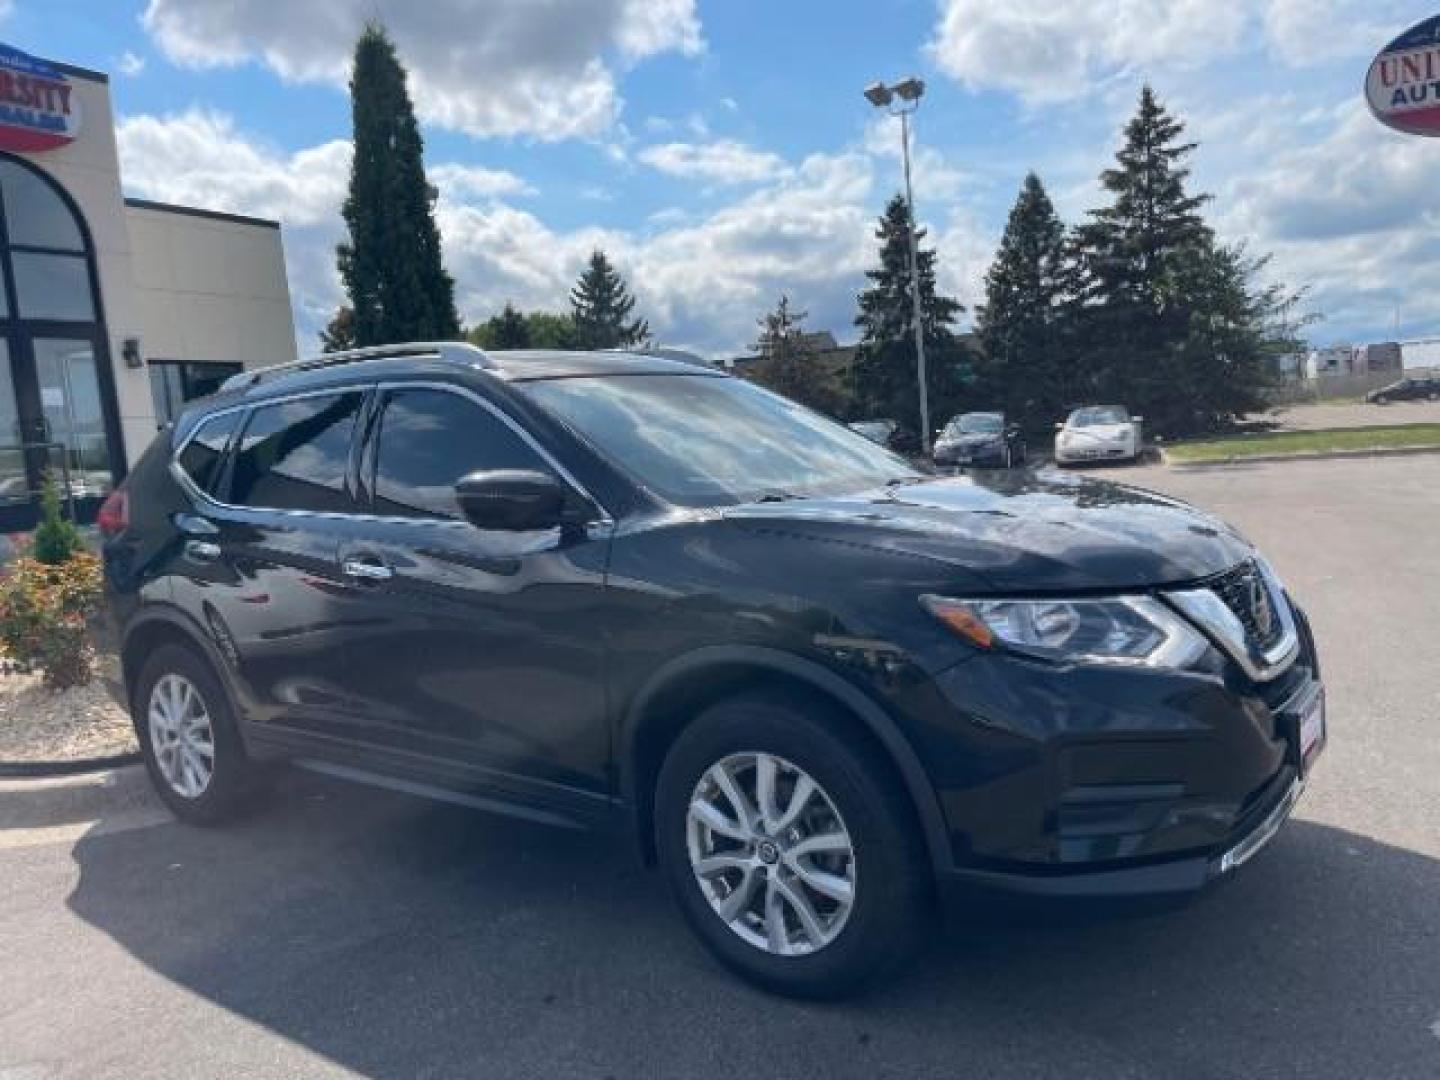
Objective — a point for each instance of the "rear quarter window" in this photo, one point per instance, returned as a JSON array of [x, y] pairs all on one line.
[[204, 452]]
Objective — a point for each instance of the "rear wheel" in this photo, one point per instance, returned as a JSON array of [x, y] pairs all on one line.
[[793, 857], [188, 738]]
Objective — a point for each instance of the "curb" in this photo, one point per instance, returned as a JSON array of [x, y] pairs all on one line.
[[36, 770], [1309, 455]]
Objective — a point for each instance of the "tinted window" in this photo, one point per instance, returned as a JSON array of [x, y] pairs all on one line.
[[703, 441], [431, 438], [294, 454], [205, 451]]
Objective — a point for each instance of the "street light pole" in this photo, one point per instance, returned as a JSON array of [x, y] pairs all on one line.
[[882, 96]]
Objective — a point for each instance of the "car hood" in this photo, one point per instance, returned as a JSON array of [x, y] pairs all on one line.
[[979, 438], [1020, 533], [1102, 432]]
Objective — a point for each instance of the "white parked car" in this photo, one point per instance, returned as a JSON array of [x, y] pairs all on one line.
[[1098, 433]]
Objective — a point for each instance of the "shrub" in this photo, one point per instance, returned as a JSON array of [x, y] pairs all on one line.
[[45, 614], [56, 538]]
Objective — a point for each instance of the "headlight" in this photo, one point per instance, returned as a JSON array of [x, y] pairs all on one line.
[[1132, 630]]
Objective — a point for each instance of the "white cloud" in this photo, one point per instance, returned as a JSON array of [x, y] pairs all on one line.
[[130, 63], [1054, 52], [197, 158], [476, 182], [724, 161], [702, 279], [1062, 51], [484, 67], [1352, 212]]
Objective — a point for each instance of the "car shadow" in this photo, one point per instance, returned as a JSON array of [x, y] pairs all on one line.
[[397, 938]]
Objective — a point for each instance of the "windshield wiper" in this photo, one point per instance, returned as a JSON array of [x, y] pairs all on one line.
[[777, 496]]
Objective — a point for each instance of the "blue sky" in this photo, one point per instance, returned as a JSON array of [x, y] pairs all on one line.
[[722, 153]]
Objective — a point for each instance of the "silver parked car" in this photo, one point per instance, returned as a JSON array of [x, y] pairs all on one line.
[[1098, 433]]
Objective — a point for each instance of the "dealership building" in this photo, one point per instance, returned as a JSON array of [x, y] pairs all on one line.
[[113, 311]]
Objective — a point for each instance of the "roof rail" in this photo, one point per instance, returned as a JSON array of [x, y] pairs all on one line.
[[454, 352]]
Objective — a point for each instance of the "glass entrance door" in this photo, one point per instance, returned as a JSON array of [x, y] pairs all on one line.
[[73, 421], [14, 478]]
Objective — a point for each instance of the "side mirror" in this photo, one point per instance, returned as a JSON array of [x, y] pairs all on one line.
[[512, 500], [1059, 427], [1137, 419]]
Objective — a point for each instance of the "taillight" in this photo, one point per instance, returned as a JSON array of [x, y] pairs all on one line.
[[114, 516]]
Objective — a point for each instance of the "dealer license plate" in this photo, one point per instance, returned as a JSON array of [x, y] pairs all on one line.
[[1312, 732]]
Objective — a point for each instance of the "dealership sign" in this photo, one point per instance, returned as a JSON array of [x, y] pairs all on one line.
[[38, 110], [1403, 86]]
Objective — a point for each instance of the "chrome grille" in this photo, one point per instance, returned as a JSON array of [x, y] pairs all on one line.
[[1243, 591]]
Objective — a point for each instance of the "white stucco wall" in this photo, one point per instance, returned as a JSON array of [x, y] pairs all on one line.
[[210, 288]]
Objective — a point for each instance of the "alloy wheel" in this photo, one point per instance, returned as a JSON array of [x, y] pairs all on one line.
[[771, 853], [181, 735]]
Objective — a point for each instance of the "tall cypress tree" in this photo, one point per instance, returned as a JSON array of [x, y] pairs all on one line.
[[601, 305], [1024, 326], [885, 379], [391, 263]]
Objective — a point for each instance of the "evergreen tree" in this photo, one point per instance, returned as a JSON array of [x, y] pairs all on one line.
[[1132, 253], [1171, 322], [339, 333], [885, 379], [601, 305], [788, 365], [512, 329], [509, 330], [391, 263], [1024, 326]]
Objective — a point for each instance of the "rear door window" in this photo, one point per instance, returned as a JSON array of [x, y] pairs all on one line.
[[428, 439], [204, 454], [295, 455]]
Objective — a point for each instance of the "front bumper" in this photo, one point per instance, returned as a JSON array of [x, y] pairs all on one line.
[[1108, 783], [1170, 877], [989, 455], [1074, 455]]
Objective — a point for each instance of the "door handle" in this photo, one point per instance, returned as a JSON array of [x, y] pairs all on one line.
[[366, 569], [202, 550]]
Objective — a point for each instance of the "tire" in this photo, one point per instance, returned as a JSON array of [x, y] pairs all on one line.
[[886, 863], [224, 793]]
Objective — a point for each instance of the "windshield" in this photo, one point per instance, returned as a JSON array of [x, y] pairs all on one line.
[[705, 441], [976, 423], [1099, 414]]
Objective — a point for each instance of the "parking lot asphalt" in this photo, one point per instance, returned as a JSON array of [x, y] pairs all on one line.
[[341, 931], [1354, 414]]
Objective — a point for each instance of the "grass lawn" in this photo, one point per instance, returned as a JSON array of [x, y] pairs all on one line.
[[1307, 442]]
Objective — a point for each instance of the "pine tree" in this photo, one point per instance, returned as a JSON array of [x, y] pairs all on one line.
[[601, 305], [1132, 253], [1171, 322], [391, 263], [885, 380], [1024, 326], [339, 333], [788, 364], [509, 330]]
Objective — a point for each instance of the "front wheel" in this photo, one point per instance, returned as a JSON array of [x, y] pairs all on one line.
[[791, 850]]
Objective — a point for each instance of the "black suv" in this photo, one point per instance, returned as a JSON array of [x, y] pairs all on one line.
[[612, 591], [1407, 389]]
